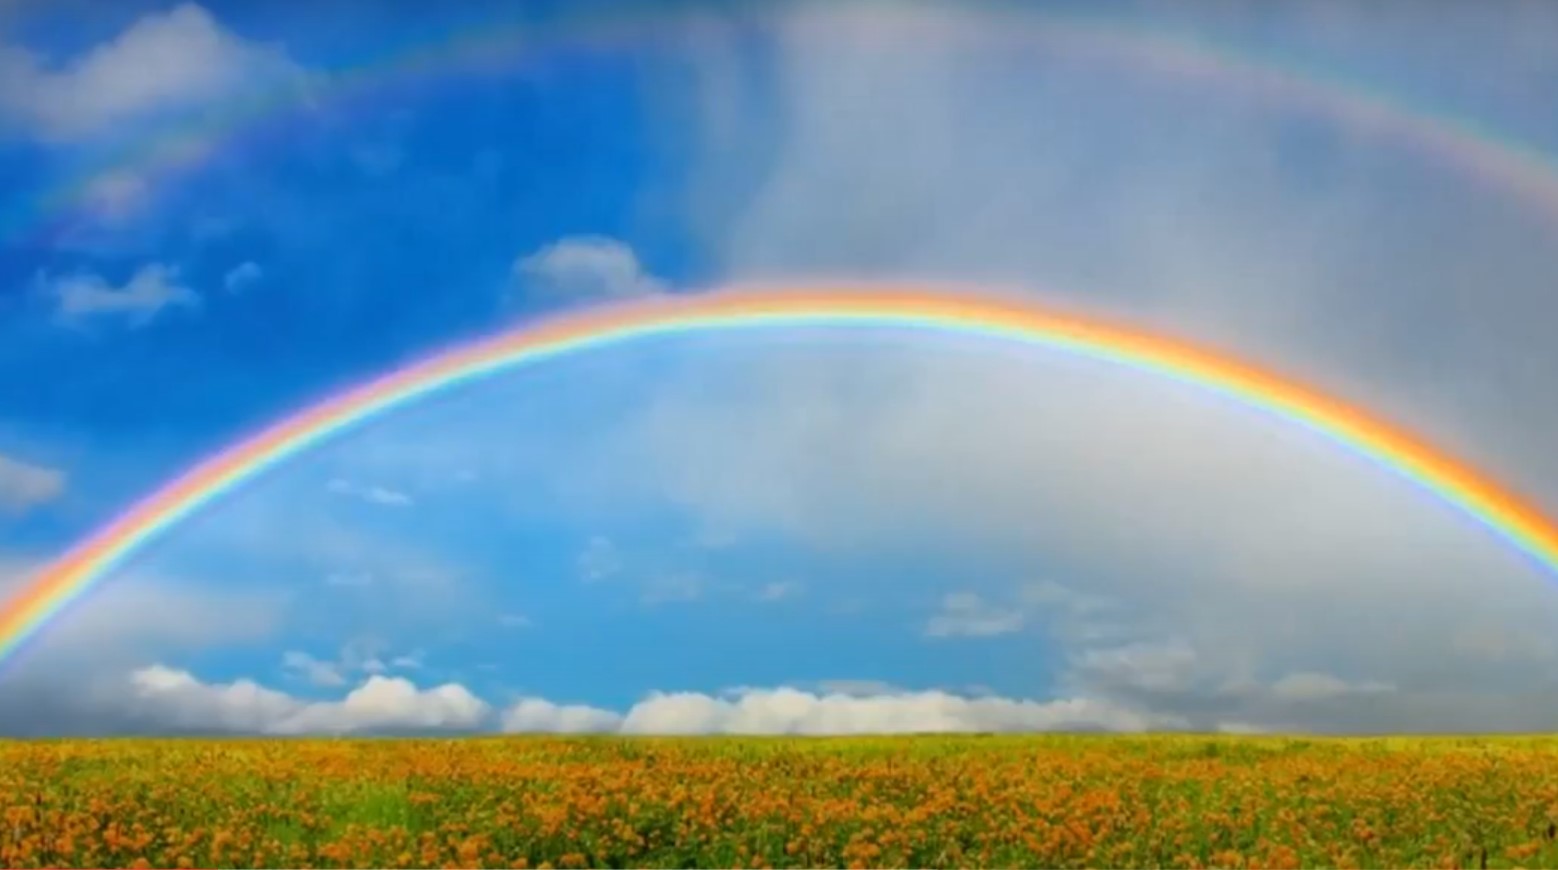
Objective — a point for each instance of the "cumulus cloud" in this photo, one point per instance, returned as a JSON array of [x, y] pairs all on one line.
[[584, 269], [168, 60], [24, 485], [161, 699], [534, 715], [792, 711], [148, 292], [179, 701]]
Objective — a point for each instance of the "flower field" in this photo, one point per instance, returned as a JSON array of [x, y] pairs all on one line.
[[1052, 801]]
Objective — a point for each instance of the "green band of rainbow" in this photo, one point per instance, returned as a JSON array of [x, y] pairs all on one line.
[[942, 309]]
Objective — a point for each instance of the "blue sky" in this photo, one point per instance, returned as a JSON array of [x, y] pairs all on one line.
[[768, 532]]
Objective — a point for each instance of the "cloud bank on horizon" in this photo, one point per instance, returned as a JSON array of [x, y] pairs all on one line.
[[792, 534]]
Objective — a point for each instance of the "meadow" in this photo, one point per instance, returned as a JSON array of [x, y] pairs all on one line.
[[1017, 801]]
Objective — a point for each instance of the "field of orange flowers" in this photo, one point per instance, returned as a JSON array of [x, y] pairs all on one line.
[[1050, 801]]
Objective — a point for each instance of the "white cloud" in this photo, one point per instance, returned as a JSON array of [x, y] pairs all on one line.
[[384, 496], [850, 711], [584, 269], [791, 711], [161, 699], [241, 276], [150, 290], [176, 699], [965, 614], [534, 715], [24, 485], [171, 60]]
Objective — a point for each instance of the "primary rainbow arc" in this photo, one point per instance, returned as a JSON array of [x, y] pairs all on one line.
[[927, 307]]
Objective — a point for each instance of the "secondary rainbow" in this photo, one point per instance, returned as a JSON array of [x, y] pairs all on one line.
[[1519, 169], [939, 308]]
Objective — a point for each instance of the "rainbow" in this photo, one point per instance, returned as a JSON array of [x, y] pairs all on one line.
[[925, 308], [1518, 169]]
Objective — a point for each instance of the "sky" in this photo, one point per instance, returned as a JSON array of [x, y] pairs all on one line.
[[212, 214]]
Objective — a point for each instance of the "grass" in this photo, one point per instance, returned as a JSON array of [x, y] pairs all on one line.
[[970, 800]]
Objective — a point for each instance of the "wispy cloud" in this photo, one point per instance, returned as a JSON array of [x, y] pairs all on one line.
[[242, 276], [24, 485], [371, 493], [315, 671], [144, 295], [965, 614], [360, 657]]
